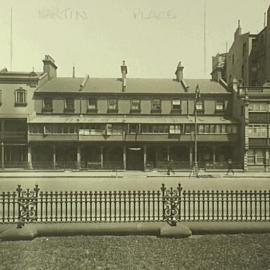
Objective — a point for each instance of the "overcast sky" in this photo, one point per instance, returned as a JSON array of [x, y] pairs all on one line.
[[96, 35]]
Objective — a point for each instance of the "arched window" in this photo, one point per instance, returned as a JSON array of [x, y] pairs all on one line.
[[20, 97]]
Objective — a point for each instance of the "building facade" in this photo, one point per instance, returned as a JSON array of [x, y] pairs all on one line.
[[126, 123], [248, 59]]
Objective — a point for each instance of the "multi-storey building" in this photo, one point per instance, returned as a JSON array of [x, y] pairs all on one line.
[[126, 123], [16, 105], [248, 59]]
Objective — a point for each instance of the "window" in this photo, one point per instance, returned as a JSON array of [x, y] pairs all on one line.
[[135, 105], [256, 156], [134, 128], [189, 129], [199, 106], [156, 106], [257, 131], [20, 97], [149, 129], [112, 105], [92, 105], [176, 105], [0, 97], [175, 129], [219, 106], [69, 105], [47, 105], [244, 48], [36, 129], [258, 107]]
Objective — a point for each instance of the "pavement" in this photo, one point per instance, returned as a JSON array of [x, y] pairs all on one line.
[[131, 180]]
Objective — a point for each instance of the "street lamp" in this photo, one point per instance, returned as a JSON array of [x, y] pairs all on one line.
[[195, 169]]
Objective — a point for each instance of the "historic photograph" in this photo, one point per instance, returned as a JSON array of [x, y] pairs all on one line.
[[135, 134]]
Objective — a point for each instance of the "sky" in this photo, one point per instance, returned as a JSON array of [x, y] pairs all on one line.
[[95, 36]]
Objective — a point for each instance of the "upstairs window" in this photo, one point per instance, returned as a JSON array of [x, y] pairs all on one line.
[[112, 105], [92, 105], [20, 97], [47, 105], [258, 107], [199, 106], [220, 106], [176, 105], [69, 105], [175, 129], [156, 106], [135, 105], [134, 128]]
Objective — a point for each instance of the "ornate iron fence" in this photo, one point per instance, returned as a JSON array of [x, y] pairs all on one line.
[[169, 205]]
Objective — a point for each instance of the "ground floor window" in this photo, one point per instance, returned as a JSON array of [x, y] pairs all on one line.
[[256, 156]]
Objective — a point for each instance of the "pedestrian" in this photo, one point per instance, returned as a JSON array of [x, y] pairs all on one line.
[[230, 167], [169, 167]]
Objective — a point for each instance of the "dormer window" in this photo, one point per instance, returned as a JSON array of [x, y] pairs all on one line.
[[69, 105], [156, 106], [20, 97], [135, 105], [199, 106], [92, 105], [113, 105], [220, 106], [47, 105], [176, 105]]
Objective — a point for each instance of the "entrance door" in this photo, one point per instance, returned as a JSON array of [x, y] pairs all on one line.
[[135, 158]]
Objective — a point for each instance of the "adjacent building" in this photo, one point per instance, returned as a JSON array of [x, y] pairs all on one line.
[[248, 59]]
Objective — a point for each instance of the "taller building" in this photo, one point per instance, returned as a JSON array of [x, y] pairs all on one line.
[[248, 59]]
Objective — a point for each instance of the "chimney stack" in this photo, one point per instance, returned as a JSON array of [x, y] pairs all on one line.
[[124, 76], [49, 67], [179, 72], [238, 31]]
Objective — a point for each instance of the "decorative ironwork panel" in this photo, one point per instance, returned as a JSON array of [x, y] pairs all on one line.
[[171, 204], [27, 205]]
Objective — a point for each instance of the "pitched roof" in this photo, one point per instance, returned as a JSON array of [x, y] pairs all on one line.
[[134, 85]]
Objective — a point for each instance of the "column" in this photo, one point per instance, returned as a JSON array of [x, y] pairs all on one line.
[[101, 157], [124, 157], [78, 156], [190, 156], [156, 158], [29, 156], [267, 160], [144, 156], [214, 154], [168, 153], [54, 156], [3, 155]]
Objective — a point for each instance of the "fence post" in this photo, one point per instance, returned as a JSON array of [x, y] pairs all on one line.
[[27, 205]]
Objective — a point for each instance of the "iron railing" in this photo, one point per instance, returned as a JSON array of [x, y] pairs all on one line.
[[170, 205]]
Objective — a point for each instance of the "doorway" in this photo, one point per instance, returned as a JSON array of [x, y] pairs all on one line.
[[135, 158]]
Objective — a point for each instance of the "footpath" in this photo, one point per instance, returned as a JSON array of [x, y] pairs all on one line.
[[127, 174]]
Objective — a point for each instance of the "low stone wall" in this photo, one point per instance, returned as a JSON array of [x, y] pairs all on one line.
[[181, 230]]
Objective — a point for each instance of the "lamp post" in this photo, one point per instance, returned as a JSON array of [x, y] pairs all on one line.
[[195, 169]]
